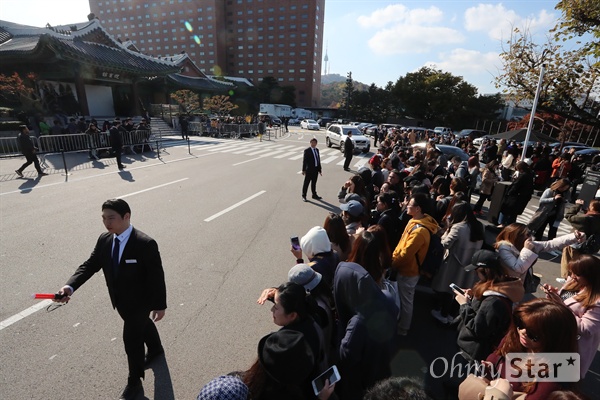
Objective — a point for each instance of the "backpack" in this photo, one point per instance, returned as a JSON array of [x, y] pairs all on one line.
[[591, 244], [434, 257]]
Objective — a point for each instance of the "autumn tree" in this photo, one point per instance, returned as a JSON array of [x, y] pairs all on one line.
[[571, 83], [219, 105], [187, 100]]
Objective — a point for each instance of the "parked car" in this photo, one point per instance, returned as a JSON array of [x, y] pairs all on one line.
[[323, 121], [471, 133], [448, 150], [479, 140], [271, 119], [588, 154], [577, 148], [294, 121], [309, 124], [442, 130], [337, 134], [557, 144]]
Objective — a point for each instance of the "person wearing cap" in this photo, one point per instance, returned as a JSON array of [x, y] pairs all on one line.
[[284, 369], [413, 246], [28, 150], [311, 169], [352, 213], [116, 141], [293, 310], [313, 283], [348, 150], [486, 310]]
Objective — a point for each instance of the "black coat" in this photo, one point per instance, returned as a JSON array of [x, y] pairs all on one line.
[[348, 146], [116, 137], [141, 281], [308, 161], [25, 144], [518, 195]]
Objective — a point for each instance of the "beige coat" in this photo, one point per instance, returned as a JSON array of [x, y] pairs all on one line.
[[459, 252]]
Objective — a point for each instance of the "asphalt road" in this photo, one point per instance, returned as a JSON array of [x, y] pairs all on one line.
[[222, 217]]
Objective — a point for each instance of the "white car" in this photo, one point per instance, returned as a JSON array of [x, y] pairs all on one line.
[[337, 134], [310, 124]]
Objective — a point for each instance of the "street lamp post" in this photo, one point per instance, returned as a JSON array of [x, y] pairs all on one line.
[[533, 108]]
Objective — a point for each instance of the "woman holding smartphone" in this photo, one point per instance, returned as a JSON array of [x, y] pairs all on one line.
[[533, 330], [581, 294]]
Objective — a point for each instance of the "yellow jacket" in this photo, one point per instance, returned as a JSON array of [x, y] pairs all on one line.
[[413, 244]]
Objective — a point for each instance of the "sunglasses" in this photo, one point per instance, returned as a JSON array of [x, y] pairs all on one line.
[[520, 325]]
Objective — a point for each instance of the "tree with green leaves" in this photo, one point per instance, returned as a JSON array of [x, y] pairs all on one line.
[[348, 91], [219, 105], [434, 95], [571, 83]]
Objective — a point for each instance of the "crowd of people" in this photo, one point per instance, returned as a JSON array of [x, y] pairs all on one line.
[[351, 292]]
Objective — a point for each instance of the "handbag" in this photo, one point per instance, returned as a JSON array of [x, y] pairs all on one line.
[[531, 281]]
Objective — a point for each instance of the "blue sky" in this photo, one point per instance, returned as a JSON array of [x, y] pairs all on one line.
[[380, 41]]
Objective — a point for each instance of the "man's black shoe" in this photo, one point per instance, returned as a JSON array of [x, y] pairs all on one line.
[[151, 357], [346, 169], [316, 197], [132, 391], [304, 199]]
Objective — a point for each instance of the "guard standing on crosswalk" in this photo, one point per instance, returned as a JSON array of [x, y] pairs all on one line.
[[311, 168]]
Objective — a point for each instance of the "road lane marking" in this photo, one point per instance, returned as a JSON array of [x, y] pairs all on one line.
[[28, 311], [247, 161], [26, 190], [217, 215], [152, 188]]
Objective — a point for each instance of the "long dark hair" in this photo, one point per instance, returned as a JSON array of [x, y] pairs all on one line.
[[587, 267], [294, 298], [365, 252], [462, 211], [336, 231]]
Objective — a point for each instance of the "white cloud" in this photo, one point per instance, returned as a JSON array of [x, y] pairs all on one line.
[[478, 68], [401, 30], [400, 14], [498, 22], [412, 39]]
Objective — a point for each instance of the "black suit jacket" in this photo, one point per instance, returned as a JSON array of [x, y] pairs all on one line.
[[140, 282], [308, 161]]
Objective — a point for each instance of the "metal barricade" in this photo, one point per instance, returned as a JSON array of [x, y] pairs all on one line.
[[196, 128], [9, 147], [137, 140], [67, 143]]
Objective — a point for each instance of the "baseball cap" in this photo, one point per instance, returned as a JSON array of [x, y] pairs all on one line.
[[304, 275], [353, 208], [484, 259]]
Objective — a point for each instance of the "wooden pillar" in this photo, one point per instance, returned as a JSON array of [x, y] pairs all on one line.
[[137, 109], [81, 95]]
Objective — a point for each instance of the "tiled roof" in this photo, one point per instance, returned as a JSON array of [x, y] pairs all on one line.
[[189, 82], [86, 43]]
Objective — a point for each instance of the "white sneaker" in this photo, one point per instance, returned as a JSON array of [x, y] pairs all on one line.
[[437, 314], [562, 281]]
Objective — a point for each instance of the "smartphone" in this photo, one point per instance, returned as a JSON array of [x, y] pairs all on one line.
[[295, 243], [457, 289], [319, 382]]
